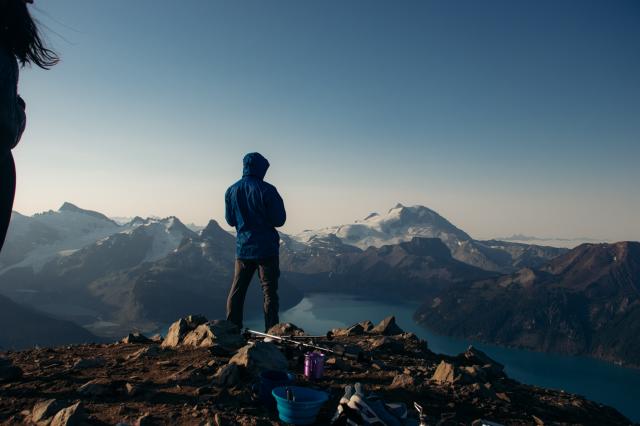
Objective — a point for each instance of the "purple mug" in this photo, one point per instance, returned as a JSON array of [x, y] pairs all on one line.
[[313, 365]]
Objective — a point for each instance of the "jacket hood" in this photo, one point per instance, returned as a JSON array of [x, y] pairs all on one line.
[[254, 165]]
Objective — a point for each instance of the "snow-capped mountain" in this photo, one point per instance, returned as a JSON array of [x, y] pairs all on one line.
[[35, 240], [165, 235], [402, 224], [397, 225]]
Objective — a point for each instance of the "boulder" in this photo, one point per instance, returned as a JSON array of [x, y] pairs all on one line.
[[181, 328], [403, 381], [136, 338], [367, 325], [202, 336], [260, 356], [215, 333], [44, 410], [446, 373], [228, 375], [286, 329], [387, 327], [176, 333], [70, 416], [358, 329]]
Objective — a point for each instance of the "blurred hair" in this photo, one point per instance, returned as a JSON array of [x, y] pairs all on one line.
[[19, 35]]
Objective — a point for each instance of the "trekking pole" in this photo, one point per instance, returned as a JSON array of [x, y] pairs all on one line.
[[301, 344], [328, 336]]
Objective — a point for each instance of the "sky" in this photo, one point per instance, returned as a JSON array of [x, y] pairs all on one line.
[[505, 117]]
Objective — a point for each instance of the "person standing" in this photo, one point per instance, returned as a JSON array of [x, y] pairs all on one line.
[[20, 42], [255, 209]]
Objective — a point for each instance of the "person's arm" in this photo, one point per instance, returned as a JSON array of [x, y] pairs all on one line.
[[229, 214], [12, 116], [275, 208]]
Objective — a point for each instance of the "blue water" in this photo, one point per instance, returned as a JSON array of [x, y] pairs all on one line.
[[599, 381]]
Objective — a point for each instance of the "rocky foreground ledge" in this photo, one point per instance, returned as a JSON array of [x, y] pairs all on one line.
[[202, 374]]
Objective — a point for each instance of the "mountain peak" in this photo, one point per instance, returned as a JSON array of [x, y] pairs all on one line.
[[68, 207], [214, 231], [396, 207]]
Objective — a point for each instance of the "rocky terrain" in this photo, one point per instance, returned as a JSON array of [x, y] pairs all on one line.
[[585, 302], [202, 374]]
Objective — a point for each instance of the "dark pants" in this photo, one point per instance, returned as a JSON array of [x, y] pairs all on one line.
[[269, 272], [7, 192]]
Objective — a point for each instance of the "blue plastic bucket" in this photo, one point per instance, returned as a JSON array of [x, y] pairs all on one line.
[[305, 407]]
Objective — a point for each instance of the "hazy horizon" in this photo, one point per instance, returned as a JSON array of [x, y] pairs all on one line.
[[552, 240], [505, 118]]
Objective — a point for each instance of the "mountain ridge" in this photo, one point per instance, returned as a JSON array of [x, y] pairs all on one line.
[[585, 302]]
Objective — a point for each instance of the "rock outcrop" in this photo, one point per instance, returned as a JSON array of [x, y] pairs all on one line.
[[260, 356], [196, 331]]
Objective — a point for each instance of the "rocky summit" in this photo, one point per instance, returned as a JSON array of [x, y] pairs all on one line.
[[204, 371]]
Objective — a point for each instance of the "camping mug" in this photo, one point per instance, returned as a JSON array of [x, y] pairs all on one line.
[[313, 365]]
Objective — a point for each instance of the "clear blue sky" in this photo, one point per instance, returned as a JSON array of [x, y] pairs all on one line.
[[504, 116]]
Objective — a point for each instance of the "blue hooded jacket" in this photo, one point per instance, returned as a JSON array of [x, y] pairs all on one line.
[[255, 209]]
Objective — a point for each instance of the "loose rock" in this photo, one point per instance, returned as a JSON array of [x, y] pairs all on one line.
[[446, 373], [44, 410], [286, 329], [387, 327], [136, 338], [70, 416], [260, 356], [404, 381]]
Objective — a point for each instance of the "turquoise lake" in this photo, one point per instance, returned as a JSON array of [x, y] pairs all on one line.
[[597, 380]]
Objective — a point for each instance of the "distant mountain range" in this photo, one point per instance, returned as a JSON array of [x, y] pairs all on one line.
[[555, 242], [81, 266], [111, 278], [584, 302]]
